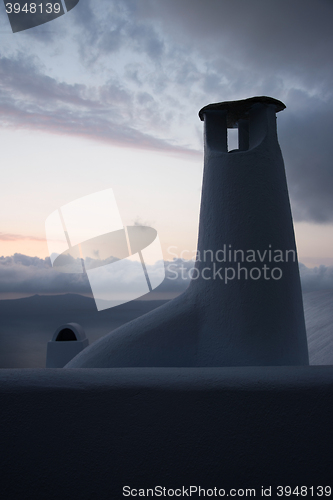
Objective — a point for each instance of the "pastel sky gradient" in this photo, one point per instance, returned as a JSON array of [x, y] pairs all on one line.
[[108, 96]]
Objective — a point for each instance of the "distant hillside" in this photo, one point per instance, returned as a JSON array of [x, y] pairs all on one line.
[[318, 311], [28, 324], [47, 304]]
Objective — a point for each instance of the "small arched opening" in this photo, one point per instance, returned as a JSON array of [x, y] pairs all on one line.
[[66, 334]]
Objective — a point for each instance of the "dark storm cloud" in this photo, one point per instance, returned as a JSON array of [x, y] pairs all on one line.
[[110, 26], [144, 38], [178, 274], [283, 49], [217, 50], [178, 56], [92, 27], [306, 141], [31, 99], [22, 274], [178, 277], [21, 78], [287, 35]]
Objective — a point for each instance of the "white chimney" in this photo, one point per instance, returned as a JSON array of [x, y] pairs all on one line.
[[244, 304], [68, 340]]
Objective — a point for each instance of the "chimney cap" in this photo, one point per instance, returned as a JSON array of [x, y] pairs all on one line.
[[237, 110]]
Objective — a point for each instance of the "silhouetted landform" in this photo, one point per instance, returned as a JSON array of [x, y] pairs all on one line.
[[28, 324], [318, 313]]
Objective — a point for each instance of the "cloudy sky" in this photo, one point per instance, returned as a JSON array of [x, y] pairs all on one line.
[[107, 96]]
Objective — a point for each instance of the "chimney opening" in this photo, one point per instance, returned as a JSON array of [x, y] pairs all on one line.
[[66, 334], [233, 139]]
